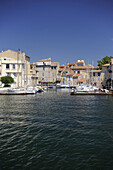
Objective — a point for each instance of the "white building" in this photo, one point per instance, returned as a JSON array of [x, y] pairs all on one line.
[[16, 65]]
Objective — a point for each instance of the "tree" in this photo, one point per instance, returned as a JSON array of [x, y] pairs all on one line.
[[105, 60], [7, 80]]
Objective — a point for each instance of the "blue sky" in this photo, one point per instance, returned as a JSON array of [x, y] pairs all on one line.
[[65, 30]]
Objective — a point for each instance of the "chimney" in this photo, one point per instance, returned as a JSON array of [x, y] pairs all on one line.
[[19, 51]]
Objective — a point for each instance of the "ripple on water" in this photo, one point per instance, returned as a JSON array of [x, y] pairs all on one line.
[[54, 130]]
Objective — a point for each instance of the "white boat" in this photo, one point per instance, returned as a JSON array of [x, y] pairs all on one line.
[[30, 90], [38, 89], [14, 90], [85, 89], [64, 86], [58, 85]]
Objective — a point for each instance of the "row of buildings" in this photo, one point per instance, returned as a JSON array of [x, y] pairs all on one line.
[[44, 72]]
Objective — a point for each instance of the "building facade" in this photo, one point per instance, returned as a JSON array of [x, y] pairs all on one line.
[[47, 71], [78, 73], [111, 65], [33, 75], [16, 65], [107, 76]]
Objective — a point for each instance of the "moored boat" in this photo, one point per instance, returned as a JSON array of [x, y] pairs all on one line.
[[88, 90]]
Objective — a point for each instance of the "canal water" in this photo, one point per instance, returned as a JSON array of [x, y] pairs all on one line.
[[54, 130]]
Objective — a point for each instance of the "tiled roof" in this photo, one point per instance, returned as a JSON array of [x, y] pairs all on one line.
[[70, 74], [97, 67], [54, 63], [60, 69], [66, 69], [82, 67], [61, 66], [76, 75], [84, 71], [105, 65], [79, 67], [95, 71], [15, 52], [48, 59], [27, 56], [81, 80], [71, 64], [35, 63], [8, 51]]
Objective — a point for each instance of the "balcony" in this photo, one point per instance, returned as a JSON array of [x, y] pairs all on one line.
[[13, 70]]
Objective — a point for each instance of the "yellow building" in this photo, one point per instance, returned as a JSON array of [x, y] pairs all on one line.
[[33, 74]]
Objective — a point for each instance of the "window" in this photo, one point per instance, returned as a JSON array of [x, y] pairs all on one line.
[[8, 74], [31, 66], [52, 68], [94, 74], [14, 74], [6, 59], [42, 74], [78, 72], [7, 66], [43, 68], [86, 76], [98, 74], [55, 67], [13, 66]]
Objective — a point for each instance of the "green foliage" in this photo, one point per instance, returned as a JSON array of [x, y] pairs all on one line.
[[105, 60], [7, 80]]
